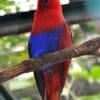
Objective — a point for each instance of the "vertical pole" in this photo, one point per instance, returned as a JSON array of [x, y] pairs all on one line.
[[5, 93]]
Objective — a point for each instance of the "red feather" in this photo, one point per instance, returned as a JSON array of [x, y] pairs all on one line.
[[47, 17]]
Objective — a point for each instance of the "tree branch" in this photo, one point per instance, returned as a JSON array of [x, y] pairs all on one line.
[[90, 47]]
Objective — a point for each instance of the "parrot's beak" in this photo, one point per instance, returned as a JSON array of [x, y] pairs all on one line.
[[45, 1]]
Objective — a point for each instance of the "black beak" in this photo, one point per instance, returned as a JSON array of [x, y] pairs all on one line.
[[45, 1]]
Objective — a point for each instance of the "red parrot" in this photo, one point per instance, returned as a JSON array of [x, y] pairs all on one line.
[[49, 34]]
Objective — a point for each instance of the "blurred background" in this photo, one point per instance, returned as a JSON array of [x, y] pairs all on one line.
[[83, 81]]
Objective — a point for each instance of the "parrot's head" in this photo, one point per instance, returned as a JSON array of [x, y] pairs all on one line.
[[48, 3], [47, 9], [45, 1], [51, 2]]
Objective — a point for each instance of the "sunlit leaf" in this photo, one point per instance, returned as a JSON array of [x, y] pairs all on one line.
[[95, 72]]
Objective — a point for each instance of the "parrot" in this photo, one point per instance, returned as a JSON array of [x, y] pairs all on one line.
[[50, 32]]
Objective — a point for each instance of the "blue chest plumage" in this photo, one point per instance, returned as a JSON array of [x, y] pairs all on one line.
[[44, 42]]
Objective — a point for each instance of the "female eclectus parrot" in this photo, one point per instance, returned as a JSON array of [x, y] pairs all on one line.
[[49, 34]]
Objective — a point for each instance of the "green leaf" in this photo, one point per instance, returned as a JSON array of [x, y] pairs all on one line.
[[5, 3], [94, 97], [95, 72]]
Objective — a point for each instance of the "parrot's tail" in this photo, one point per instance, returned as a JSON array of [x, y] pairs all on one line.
[[52, 97]]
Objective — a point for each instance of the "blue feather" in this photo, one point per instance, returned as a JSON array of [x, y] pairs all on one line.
[[45, 42]]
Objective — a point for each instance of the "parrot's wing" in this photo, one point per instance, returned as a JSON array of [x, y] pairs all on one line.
[[38, 75], [65, 42]]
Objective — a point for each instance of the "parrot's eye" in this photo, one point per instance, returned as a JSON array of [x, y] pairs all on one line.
[[45, 1]]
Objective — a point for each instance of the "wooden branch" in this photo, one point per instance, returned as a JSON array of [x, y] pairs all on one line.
[[88, 48]]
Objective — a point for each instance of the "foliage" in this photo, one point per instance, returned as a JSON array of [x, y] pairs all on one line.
[[5, 3], [88, 27], [13, 49], [94, 73], [95, 97]]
